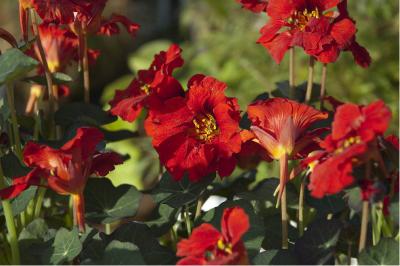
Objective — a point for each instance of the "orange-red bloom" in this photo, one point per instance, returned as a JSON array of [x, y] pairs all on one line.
[[198, 134], [281, 127], [354, 131], [150, 85], [313, 26], [207, 246], [255, 6], [65, 170]]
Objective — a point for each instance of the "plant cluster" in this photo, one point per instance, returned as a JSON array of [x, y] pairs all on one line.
[[335, 199]]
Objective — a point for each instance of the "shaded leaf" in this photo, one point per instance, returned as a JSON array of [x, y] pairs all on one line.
[[14, 64], [121, 253], [275, 257], [106, 203], [386, 252], [119, 135], [66, 246], [164, 218], [12, 166], [58, 78], [329, 204]]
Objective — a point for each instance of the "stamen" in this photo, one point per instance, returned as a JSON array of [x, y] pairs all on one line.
[[205, 127]]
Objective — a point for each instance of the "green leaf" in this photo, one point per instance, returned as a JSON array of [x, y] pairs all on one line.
[[121, 253], [329, 204], [353, 198], [273, 231], [119, 135], [317, 244], [20, 203], [179, 193], [37, 230], [254, 236], [283, 90], [58, 79], [14, 64], [83, 114], [12, 166], [140, 235], [66, 246], [394, 211], [275, 257], [163, 219], [385, 253], [106, 203], [93, 246]]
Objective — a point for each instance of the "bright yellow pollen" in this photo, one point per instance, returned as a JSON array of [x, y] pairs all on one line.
[[227, 247], [300, 19], [205, 127], [145, 88], [348, 142]]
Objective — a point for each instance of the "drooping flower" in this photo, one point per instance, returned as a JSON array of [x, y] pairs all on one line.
[[281, 127], [311, 25], [65, 170], [155, 82], [351, 143], [197, 134], [255, 6], [207, 246]]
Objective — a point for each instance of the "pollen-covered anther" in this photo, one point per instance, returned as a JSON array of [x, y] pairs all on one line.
[[348, 142], [145, 88], [205, 127], [227, 247], [300, 19]]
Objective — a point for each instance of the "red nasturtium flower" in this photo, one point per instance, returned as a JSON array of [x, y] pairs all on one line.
[[311, 25], [251, 152], [352, 142], [65, 170], [197, 134], [281, 127], [155, 82], [207, 246], [255, 6]]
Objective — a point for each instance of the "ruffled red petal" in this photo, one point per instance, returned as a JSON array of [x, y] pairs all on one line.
[[234, 224]]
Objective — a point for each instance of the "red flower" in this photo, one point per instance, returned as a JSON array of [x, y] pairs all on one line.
[[66, 170], [251, 152], [58, 11], [354, 131], [280, 126], [60, 46], [310, 25], [207, 246], [255, 6], [151, 84], [198, 134], [110, 27]]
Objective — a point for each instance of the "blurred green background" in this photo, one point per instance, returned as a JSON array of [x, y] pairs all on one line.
[[219, 39]]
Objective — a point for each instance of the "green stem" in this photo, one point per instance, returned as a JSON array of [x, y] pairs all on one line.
[[364, 226], [187, 220], [85, 64], [301, 208], [12, 232], [39, 201], [14, 121], [283, 163], [323, 87], [200, 203], [292, 84], [310, 80]]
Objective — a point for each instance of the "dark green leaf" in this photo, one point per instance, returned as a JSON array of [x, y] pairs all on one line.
[[119, 135], [83, 114], [254, 236], [385, 253], [353, 198], [283, 90], [275, 257], [273, 231], [106, 203], [93, 246], [163, 219], [230, 187], [329, 204], [14, 64], [58, 78], [317, 244], [12, 167], [178, 193], [394, 211], [20, 203], [121, 253], [66, 246]]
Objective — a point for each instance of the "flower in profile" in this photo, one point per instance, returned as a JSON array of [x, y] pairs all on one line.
[[207, 246], [311, 25], [281, 127], [256, 6], [65, 170], [151, 84], [351, 143], [57, 11], [251, 152], [197, 134]]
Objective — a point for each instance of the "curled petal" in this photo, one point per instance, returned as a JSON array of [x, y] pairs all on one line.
[[234, 224], [85, 140], [110, 27], [103, 163], [255, 6], [22, 183]]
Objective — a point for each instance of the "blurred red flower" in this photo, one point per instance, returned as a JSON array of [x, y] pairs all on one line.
[[281, 127], [155, 82], [198, 134], [311, 25], [255, 6], [207, 246], [352, 142], [65, 170]]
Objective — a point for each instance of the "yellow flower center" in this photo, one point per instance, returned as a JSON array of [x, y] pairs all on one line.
[[300, 19], [146, 89], [205, 127], [227, 247], [347, 143]]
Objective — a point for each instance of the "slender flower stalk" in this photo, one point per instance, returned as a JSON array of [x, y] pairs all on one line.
[[283, 162], [9, 216], [323, 86], [364, 226], [200, 203], [310, 79], [187, 220], [14, 121], [301, 207], [39, 201], [85, 63], [292, 76]]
